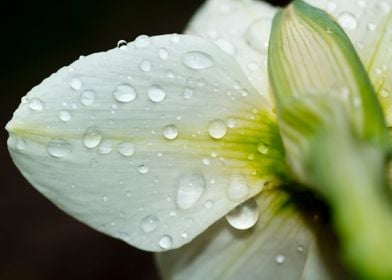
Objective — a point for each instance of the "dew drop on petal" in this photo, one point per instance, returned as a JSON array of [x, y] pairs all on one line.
[[122, 44], [92, 137], [165, 242], [59, 148], [145, 66], [36, 104], [142, 41], [208, 204], [149, 223], [347, 21], [280, 259], [76, 84], [163, 54], [124, 93], [262, 148], [143, 169], [258, 35], [105, 147], [191, 187], [87, 97], [188, 93], [198, 60], [226, 46], [217, 129], [244, 216], [126, 149], [65, 116], [237, 189], [21, 144], [170, 132], [156, 94]]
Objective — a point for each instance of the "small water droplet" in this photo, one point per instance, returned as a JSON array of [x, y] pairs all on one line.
[[59, 148], [226, 46], [300, 249], [149, 223], [165, 242], [163, 54], [262, 148], [36, 104], [92, 137], [142, 41], [191, 187], [105, 199], [237, 189], [231, 123], [122, 44], [208, 204], [217, 129], [258, 35], [20, 144], [87, 97], [280, 259], [188, 93], [347, 21], [244, 216], [156, 94], [184, 235], [143, 169], [124, 93], [198, 60], [371, 26], [175, 39], [76, 84], [145, 66], [170, 132], [65, 116], [105, 148], [126, 149]]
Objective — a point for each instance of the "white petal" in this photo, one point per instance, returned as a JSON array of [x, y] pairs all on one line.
[[280, 246], [369, 26], [242, 29], [121, 139]]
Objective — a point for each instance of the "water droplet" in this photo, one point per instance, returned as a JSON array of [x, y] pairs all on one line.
[[145, 66], [149, 223], [206, 161], [59, 148], [190, 188], [217, 129], [156, 94], [65, 116], [263, 148], [237, 189], [92, 137], [184, 235], [208, 204], [87, 97], [105, 199], [126, 149], [198, 60], [175, 39], [170, 132], [105, 148], [36, 104], [231, 123], [188, 93], [244, 216], [258, 35], [225, 46], [122, 45], [331, 6], [280, 259], [76, 84], [165, 242], [163, 54], [347, 21], [143, 169], [300, 249], [20, 144], [371, 26], [124, 93], [142, 41]]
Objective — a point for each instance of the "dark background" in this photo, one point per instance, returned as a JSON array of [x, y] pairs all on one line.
[[38, 241]]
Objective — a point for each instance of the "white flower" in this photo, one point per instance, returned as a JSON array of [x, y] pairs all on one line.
[[155, 141]]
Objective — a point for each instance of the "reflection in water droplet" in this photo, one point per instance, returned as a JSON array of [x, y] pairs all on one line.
[[92, 137], [190, 188], [238, 189], [165, 242], [198, 60], [36, 104], [126, 149], [124, 93], [149, 223], [244, 216], [170, 132], [59, 148], [87, 97], [156, 94], [217, 129]]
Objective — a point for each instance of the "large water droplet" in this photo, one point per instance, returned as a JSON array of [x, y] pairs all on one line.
[[76, 84], [217, 129], [165, 242], [198, 60], [170, 132], [190, 188], [124, 93], [156, 94], [258, 35], [59, 148], [149, 223], [65, 116], [87, 97], [36, 104], [244, 216], [92, 137], [142, 41], [126, 149], [238, 189], [347, 21]]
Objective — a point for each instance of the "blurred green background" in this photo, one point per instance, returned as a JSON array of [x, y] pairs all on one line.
[[38, 241]]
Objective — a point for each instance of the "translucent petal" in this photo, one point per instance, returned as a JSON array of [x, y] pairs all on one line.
[[242, 29], [139, 142], [369, 26], [280, 246]]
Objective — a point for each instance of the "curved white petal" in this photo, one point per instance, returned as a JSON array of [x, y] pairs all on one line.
[[242, 29], [142, 141], [369, 26], [280, 246]]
